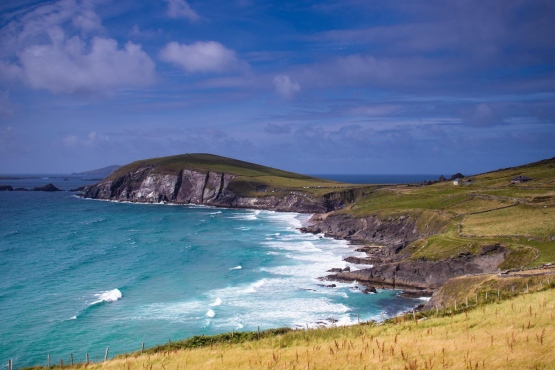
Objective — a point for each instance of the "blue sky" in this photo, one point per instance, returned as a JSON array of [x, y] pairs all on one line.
[[338, 86]]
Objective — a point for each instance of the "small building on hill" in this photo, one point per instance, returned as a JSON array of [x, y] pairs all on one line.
[[519, 179], [442, 178], [457, 181]]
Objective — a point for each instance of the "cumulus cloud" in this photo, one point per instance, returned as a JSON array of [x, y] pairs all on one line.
[[285, 87], [41, 51], [181, 9], [209, 56], [70, 66]]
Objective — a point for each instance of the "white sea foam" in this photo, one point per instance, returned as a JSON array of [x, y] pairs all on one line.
[[210, 313], [217, 302], [236, 268], [108, 296]]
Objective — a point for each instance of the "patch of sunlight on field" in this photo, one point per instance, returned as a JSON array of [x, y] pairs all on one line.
[[519, 220]]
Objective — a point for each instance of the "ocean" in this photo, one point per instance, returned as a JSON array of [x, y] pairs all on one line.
[[78, 276]]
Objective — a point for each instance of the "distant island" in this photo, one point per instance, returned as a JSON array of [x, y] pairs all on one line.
[[416, 236], [98, 173]]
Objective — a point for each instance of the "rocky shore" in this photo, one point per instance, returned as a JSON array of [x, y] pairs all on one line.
[[384, 243], [47, 187]]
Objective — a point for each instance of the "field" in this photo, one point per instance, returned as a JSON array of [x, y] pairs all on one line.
[[487, 210]]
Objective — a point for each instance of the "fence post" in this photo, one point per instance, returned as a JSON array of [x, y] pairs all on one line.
[[10, 364], [143, 347], [498, 295], [71, 357], [106, 355], [466, 302], [61, 363], [48, 361], [87, 358]]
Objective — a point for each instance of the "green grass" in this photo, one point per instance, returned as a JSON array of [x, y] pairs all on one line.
[[250, 179], [490, 210]]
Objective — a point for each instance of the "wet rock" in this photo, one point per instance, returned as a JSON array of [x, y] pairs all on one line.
[[369, 290]]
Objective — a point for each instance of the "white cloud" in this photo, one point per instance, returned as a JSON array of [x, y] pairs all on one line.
[[67, 66], [285, 87], [87, 20], [30, 27], [181, 9], [210, 56], [38, 49]]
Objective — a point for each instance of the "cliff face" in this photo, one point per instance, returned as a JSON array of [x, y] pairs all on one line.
[[146, 185], [395, 233]]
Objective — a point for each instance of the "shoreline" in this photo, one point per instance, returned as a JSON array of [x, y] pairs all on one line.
[[305, 221], [406, 290]]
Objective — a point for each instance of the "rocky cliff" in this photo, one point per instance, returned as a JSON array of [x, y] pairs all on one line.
[[188, 186], [392, 268], [425, 275]]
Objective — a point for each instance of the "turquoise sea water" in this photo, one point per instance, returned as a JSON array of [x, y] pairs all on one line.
[[78, 276]]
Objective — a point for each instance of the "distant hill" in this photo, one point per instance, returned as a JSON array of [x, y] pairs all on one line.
[[99, 173]]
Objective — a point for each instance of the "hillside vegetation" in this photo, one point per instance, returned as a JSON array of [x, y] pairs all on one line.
[[487, 210], [250, 179]]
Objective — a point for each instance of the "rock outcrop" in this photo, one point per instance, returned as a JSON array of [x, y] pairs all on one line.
[[147, 185], [47, 187], [394, 232], [426, 275]]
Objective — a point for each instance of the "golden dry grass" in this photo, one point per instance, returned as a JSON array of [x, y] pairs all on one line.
[[515, 334]]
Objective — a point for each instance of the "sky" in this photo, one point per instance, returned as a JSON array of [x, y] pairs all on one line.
[[330, 86]]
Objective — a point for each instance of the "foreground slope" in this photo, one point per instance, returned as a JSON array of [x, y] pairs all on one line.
[[220, 181], [516, 333]]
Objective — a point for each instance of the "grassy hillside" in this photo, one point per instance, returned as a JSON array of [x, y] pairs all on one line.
[[250, 177], [516, 333], [487, 210]]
